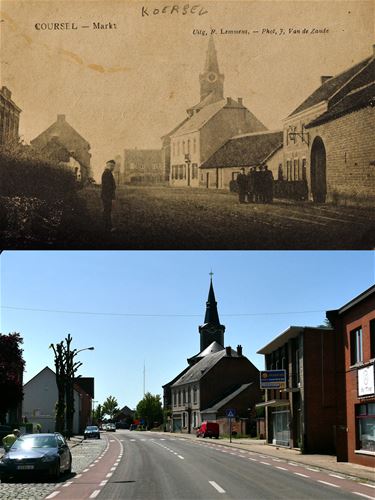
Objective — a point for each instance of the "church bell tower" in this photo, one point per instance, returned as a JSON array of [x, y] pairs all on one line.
[[211, 80], [211, 330]]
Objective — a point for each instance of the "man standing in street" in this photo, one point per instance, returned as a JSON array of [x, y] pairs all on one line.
[[108, 194], [242, 185]]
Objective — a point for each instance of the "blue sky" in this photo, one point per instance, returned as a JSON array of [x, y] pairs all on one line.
[[144, 308]]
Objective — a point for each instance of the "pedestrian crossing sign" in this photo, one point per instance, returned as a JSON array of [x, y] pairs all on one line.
[[231, 413]]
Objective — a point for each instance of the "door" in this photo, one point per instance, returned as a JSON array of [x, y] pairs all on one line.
[[318, 171]]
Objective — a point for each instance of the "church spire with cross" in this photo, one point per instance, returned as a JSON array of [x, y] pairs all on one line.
[[211, 80], [211, 330]]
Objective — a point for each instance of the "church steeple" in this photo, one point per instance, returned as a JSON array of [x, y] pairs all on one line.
[[211, 330], [211, 80]]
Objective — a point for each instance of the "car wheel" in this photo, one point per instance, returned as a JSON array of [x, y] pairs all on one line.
[[69, 469], [4, 478], [56, 472]]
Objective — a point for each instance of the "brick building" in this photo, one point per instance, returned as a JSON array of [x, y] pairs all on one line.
[[215, 379], [9, 118], [143, 166], [329, 139], [303, 415], [354, 325]]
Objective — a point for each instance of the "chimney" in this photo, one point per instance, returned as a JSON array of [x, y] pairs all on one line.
[[239, 350], [239, 99], [323, 79], [228, 351], [60, 118]]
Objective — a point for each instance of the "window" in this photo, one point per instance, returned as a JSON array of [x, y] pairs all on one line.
[[195, 394], [295, 172], [179, 398], [183, 147], [194, 171], [194, 145], [356, 353], [188, 146], [372, 338], [178, 147], [183, 419], [365, 428], [303, 173], [288, 173]]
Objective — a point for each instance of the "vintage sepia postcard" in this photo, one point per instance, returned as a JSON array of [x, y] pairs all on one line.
[[216, 125]]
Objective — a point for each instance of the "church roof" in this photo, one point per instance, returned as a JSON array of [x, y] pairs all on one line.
[[197, 371], [198, 120], [211, 63], [245, 150], [213, 347], [224, 401], [212, 315], [332, 86]]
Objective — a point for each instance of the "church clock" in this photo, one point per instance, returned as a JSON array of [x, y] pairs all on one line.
[[211, 77]]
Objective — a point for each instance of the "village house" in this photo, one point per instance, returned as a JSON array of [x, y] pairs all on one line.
[[143, 166], [63, 143], [9, 118], [41, 395], [243, 151], [329, 139]]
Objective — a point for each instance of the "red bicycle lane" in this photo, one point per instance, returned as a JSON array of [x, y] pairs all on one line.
[[89, 482]]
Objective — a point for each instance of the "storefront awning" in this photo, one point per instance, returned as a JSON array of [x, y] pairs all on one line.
[[273, 402]]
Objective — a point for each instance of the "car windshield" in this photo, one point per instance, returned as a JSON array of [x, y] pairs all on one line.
[[91, 428], [29, 442]]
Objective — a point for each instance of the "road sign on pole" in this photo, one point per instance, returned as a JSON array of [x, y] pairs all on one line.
[[230, 412]]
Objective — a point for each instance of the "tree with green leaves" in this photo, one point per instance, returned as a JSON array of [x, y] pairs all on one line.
[[97, 414], [150, 410], [110, 407], [11, 373]]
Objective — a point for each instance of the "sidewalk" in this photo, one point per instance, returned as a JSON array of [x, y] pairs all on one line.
[[327, 462]]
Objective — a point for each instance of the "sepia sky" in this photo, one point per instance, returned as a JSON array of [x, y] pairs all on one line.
[[126, 87]]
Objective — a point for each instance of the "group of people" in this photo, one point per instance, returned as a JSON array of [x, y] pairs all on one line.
[[256, 186]]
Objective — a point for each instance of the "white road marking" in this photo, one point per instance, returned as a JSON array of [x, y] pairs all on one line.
[[311, 468], [265, 463], [335, 475], [355, 493], [111, 441], [92, 465], [133, 440], [276, 460], [328, 484], [299, 474], [52, 495], [103, 483], [281, 468], [179, 456], [67, 484], [253, 459], [109, 474], [85, 470], [78, 475], [113, 468], [94, 494], [217, 487], [369, 485], [293, 464]]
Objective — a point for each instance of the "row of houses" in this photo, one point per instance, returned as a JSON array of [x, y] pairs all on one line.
[[327, 403], [327, 142]]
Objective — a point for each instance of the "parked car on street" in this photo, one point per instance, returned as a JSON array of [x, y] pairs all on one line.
[[111, 427], [37, 453], [208, 429], [91, 431]]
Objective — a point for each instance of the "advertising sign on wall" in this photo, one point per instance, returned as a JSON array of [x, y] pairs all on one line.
[[366, 381], [273, 379]]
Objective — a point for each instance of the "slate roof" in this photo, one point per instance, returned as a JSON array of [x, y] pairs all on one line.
[[331, 86], [198, 120], [166, 136], [224, 402], [197, 371], [211, 98], [214, 347], [356, 99], [245, 150]]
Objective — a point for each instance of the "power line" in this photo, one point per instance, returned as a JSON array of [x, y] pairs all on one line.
[[154, 315]]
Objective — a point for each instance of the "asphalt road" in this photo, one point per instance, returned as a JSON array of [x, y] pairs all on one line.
[[170, 468]]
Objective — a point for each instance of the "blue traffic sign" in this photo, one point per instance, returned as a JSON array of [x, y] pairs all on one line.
[[230, 412]]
